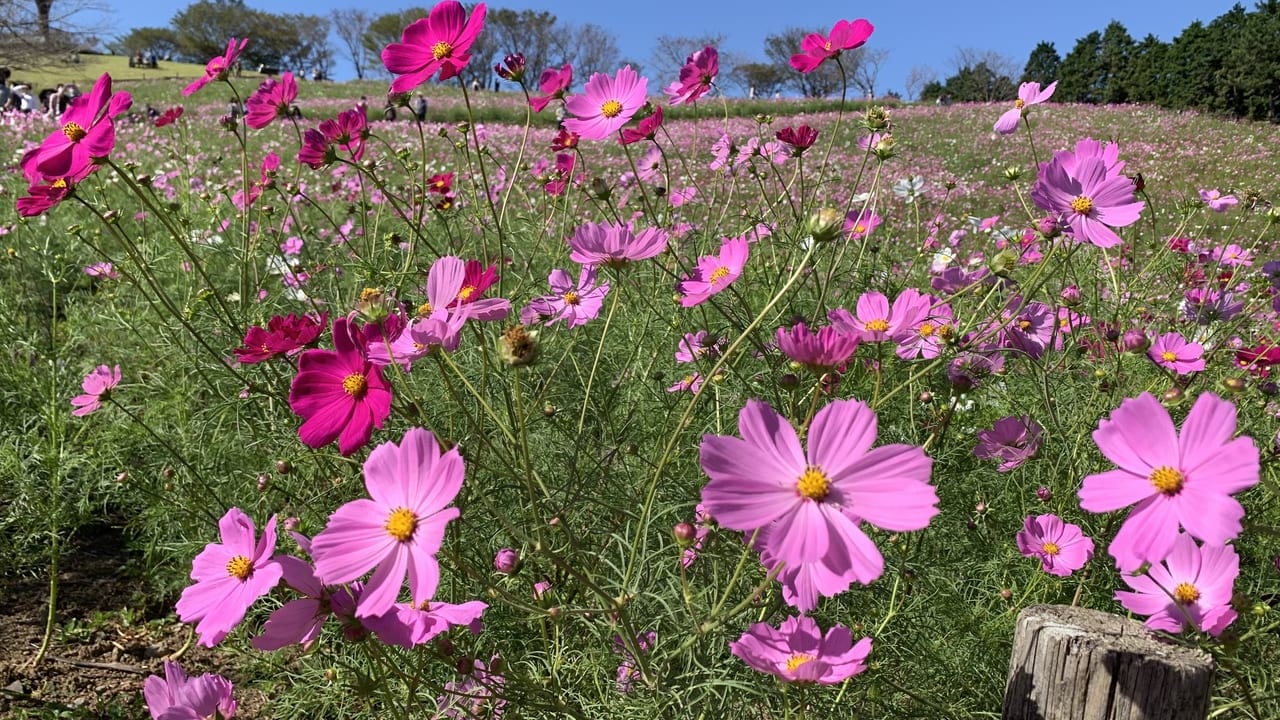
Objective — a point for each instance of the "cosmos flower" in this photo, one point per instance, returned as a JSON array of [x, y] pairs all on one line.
[[607, 103], [1060, 547], [229, 577], [436, 43], [1193, 586], [1029, 93], [797, 651]]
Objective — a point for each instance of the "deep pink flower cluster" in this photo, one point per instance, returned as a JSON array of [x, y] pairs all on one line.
[[284, 335]]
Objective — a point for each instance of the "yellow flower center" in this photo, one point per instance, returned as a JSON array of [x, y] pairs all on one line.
[[797, 660], [1019, 104], [74, 132], [240, 567], [355, 385], [1168, 356], [944, 331], [718, 274], [611, 108], [813, 484], [859, 228], [441, 50], [827, 46], [1024, 324], [401, 523], [926, 329], [571, 298], [1167, 480], [1050, 548], [878, 325], [1082, 205], [370, 294], [424, 309], [59, 183], [466, 292], [1186, 593]]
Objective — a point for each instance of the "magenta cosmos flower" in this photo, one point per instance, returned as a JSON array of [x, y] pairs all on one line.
[[614, 245], [811, 505], [816, 48], [339, 393], [1194, 583], [1172, 352], [408, 626], [178, 697], [1218, 202], [1012, 440], [554, 84], [1060, 547], [714, 273], [1089, 193], [217, 68], [436, 43], [875, 320], [96, 385], [797, 651], [606, 104], [230, 576], [42, 197], [819, 351], [399, 529], [273, 99], [573, 303], [86, 136], [1177, 480], [699, 71], [298, 621], [348, 133], [1029, 93]]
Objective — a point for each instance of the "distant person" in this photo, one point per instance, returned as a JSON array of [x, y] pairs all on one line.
[[389, 112], [152, 113], [475, 85], [234, 109], [420, 107]]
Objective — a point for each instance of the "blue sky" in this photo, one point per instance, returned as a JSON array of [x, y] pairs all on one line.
[[914, 33]]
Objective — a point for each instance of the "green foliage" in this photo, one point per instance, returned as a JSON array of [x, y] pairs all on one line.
[[1043, 65], [974, 83], [780, 46], [283, 41], [1081, 72]]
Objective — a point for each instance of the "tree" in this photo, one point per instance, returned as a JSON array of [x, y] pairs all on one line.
[[350, 26], [293, 41], [868, 69], [823, 81], [161, 41], [670, 52], [1043, 65], [917, 79], [1114, 53], [537, 34], [386, 29], [758, 78], [1147, 79], [1082, 75], [595, 50], [31, 33], [980, 83]]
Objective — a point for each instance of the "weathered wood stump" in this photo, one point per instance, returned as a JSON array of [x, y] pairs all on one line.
[[1075, 664]]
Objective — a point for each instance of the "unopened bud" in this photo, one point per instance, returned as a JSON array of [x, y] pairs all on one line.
[[826, 224]]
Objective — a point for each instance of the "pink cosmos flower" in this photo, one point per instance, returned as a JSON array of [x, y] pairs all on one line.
[[554, 84], [478, 695], [875, 320], [1029, 93], [860, 223], [1061, 547], [399, 530], [819, 351], [646, 129], [339, 393], [178, 697], [798, 139], [696, 346], [168, 117], [216, 69], [229, 577], [87, 135], [102, 270], [1012, 440], [614, 245], [714, 273], [1178, 480], [1172, 352], [348, 132], [41, 198], [273, 99], [797, 651], [97, 385], [298, 621], [1091, 197], [816, 49], [436, 43], [407, 626], [1218, 202], [696, 76], [811, 505], [1192, 586], [266, 176], [689, 383], [440, 320], [928, 336], [284, 335], [607, 103], [573, 303]]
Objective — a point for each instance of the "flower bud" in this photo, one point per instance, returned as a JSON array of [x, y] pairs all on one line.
[[684, 533], [1013, 173], [877, 118], [507, 561], [1135, 341], [284, 467], [1070, 295], [826, 224], [1044, 493], [1234, 384], [1172, 396], [1002, 262], [1048, 226]]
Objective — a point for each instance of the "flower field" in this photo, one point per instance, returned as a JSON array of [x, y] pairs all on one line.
[[681, 408]]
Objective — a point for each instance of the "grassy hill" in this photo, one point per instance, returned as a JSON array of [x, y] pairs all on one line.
[[91, 67]]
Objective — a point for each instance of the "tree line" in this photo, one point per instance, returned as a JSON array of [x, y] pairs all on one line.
[[1229, 66]]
